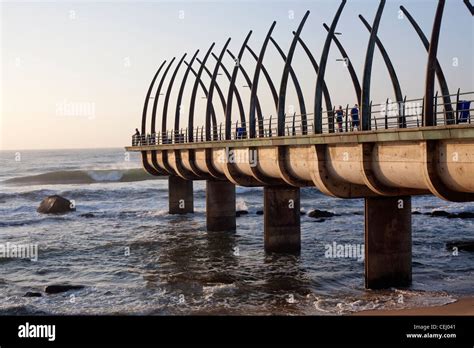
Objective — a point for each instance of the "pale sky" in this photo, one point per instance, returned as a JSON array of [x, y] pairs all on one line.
[[75, 74]]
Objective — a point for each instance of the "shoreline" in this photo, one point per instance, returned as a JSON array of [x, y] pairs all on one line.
[[463, 306]]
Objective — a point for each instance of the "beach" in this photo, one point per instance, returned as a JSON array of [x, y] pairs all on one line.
[[462, 307]]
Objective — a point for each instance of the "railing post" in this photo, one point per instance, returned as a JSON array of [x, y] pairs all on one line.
[[304, 124], [435, 116], [270, 126], [404, 119], [331, 120], [375, 118], [293, 131], [347, 115], [457, 105], [370, 117], [386, 114]]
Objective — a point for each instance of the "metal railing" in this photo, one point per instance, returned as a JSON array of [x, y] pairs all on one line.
[[388, 115]]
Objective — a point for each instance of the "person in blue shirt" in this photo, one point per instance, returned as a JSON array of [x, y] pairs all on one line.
[[355, 117]]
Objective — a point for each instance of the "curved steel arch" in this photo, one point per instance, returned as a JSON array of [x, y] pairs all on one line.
[[211, 92], [167, 98], [428, 112], [443, 85], [350, 67], [253, 93], [157, 96], [204, 89], [318, 111], [218, 88], [285, 76], [391, 70], [299, 92], [236, 91], [369, 58], [267, 77], [230, 94], [181, 91], [146, 164], [249, 83], [469, 6], [327, 96], [147, 98], [192, 104]]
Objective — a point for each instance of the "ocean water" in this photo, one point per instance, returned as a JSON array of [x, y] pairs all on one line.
[[132, 257]]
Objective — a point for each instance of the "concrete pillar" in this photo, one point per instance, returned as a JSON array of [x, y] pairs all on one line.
[[180, 193], [220, 206], [387, 242], [282, 232]]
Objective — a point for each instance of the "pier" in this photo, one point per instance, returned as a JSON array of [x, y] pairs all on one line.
[[384, 152]]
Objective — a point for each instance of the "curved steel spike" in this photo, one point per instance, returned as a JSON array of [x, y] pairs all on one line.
[[327, 96], [428, 114], [211, 92], [192, 104], [147, 98], [146, 164], [285, 76], [167, 98], [318, 110], [181, 91], [350, 67], [249, 83], [253, 92], [369, 58], [204, 89], [236, 91], [469, 6], [157, 96], [299, 92], [230, 94], [443, 85], [267, 77], [391, 70], [218, 88]]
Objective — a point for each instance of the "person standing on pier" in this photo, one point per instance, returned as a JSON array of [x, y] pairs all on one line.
[[339, 118], [355, 117], [136, 138]]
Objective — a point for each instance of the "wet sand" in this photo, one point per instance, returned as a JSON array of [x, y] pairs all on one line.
[[463, 306]]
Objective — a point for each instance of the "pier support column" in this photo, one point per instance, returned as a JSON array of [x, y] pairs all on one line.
[[282, 232], [387, 242], [220, 206], [180, 193]]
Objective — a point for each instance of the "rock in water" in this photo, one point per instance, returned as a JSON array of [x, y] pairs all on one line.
[[239, 213], [55, 205], [32, 294], [87, 215], [58, 288], [320, 214], [465, 215], [440, 213]]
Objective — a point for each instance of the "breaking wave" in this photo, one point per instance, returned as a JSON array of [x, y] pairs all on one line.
[[82, 177]]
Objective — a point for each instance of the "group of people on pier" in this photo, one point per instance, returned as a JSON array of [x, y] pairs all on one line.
[[355, 120]]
